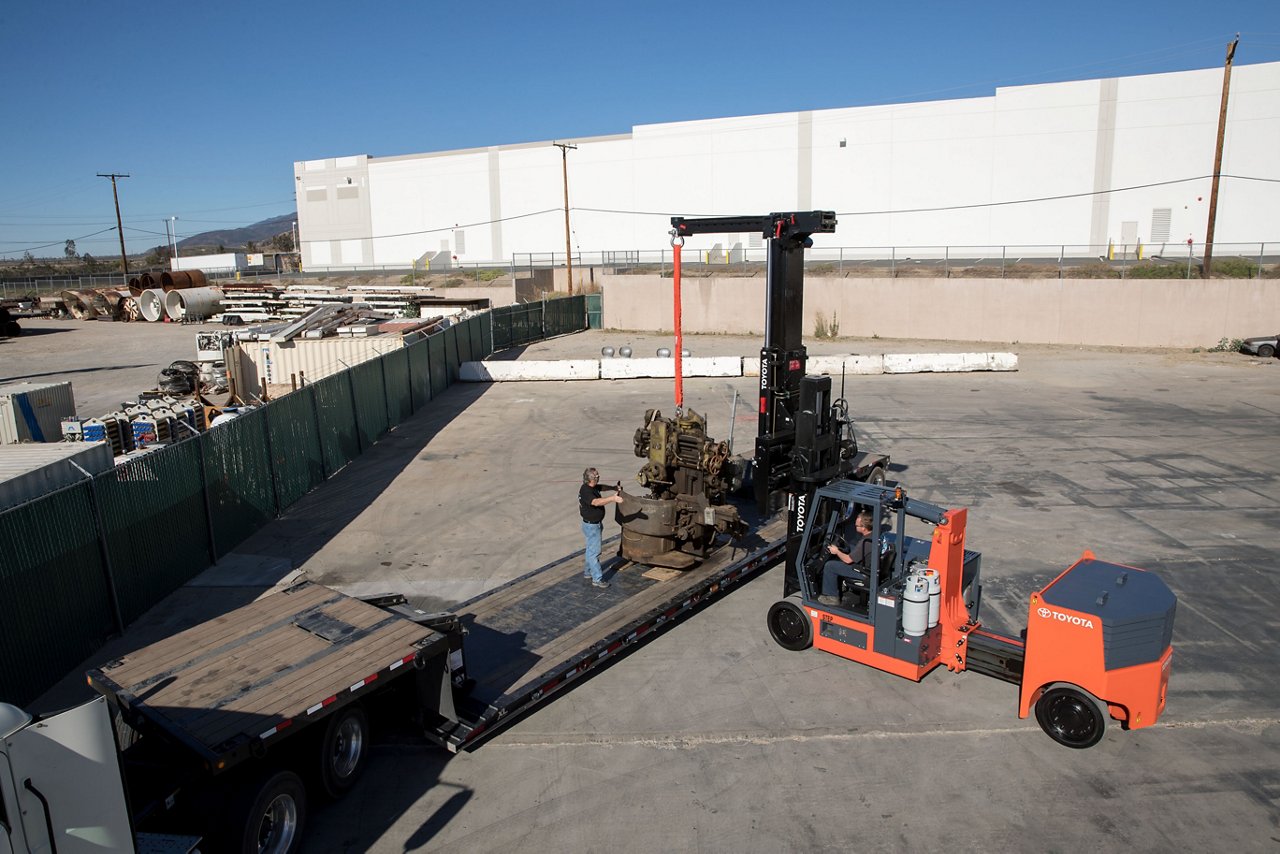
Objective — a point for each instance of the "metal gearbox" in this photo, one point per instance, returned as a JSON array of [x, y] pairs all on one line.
[[689, 477]]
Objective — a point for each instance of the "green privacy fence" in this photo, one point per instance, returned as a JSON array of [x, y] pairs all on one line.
[[514, 325], [82, 563]]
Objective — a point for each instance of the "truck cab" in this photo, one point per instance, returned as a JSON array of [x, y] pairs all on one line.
[[60, 782]]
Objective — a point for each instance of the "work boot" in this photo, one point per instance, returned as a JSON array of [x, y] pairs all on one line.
[[601, 583]]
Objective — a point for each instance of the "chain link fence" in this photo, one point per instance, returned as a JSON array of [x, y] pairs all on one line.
[[1060, 261], [82, 563]]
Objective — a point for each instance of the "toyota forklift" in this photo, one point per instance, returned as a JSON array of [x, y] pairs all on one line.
[[1098, 637]]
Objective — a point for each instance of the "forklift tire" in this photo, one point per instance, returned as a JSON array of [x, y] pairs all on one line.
[[1071, 717], [344, 751], [790, 626], [268, 817], [876, 477]]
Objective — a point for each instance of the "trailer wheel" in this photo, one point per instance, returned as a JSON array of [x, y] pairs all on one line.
[[790, 626], [268, 818], [344, 750], [876, 477], [1071, 717]]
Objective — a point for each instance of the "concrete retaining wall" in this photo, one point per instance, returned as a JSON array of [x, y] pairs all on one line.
[[1091, 312]]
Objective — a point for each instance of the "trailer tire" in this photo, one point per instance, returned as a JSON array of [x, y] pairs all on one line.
[[876, 476], [268, 817], [344, 751], [1071, 717], [789, 625]]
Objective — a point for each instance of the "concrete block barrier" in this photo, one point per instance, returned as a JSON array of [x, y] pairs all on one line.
[[730, 366], [531, 371], [914, 363], [694, 366], [864, 364]]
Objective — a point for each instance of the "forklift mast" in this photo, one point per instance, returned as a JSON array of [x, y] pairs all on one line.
[[783, 357]]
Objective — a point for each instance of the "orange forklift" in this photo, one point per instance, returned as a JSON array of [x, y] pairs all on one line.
[[1098, 637]]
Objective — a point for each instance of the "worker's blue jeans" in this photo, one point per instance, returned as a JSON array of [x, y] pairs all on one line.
[[592, 532], [834, 570]]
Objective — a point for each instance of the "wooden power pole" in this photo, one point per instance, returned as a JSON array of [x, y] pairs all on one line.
[[1217, 158], [564, 163], [124, 259]]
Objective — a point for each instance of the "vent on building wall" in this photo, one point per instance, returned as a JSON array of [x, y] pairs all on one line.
[[1160, 224], [348, 192], [460, 242], [318, 195], [755, 240]]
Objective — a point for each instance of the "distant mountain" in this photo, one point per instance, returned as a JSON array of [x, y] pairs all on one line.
[[237, 238]]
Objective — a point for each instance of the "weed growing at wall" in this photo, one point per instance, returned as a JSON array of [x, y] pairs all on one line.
[[824, 328]]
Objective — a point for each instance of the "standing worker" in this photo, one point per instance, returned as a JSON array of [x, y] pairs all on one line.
[[591, 505]]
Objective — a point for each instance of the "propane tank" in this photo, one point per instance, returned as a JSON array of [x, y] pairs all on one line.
[[933, 580], [915, 606]]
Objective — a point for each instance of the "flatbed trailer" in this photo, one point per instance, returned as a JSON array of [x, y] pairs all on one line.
[[229, 725], [540, 633]]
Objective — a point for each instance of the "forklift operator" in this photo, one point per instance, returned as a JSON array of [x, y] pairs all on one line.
[[852, 565]]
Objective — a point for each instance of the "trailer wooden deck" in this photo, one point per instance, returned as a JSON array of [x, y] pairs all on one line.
[[537, 633], [227, 685]]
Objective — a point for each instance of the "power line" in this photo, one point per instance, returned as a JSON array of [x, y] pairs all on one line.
[[56, 242], [447, 227]]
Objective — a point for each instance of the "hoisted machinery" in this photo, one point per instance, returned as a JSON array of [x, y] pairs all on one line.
[[689, 477], [804, 435]]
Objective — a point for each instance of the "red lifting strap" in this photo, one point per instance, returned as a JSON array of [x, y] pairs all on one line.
[[679, 353]]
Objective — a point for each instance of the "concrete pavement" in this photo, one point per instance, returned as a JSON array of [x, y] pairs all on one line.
[[712, 738]]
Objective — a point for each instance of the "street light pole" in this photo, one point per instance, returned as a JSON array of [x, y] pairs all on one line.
[[124, 259], [564, 164], [174, 263]]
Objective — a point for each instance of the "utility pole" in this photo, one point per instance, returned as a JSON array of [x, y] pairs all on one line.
[[1217, 158], [124, 259], [564, 163]]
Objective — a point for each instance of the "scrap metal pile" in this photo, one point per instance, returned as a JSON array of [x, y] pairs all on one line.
[[689, 477], [180, 296]]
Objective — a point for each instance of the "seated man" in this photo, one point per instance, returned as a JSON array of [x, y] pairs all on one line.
[[853, 564]]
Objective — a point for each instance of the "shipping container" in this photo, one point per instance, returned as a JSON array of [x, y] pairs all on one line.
[[29, 471], [33, 412], [275, 362], [223, 263]]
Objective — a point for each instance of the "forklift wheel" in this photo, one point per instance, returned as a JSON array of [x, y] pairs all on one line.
[[789, 625], [1070, 717]]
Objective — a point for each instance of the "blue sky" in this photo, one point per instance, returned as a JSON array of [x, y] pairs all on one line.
[[208, 107]]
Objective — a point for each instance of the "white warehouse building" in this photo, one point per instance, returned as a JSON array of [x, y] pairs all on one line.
[[1114, 161]]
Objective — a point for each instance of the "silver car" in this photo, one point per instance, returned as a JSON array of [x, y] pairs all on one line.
[[1264, 346]]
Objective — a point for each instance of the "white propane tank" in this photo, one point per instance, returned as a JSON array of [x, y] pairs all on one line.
[[934, 581], [915, 606]]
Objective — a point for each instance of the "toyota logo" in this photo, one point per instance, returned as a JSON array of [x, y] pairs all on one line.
[[1043, 612]]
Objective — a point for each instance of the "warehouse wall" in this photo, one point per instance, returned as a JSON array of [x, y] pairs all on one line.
[[1024, 142], [1106, 312]]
